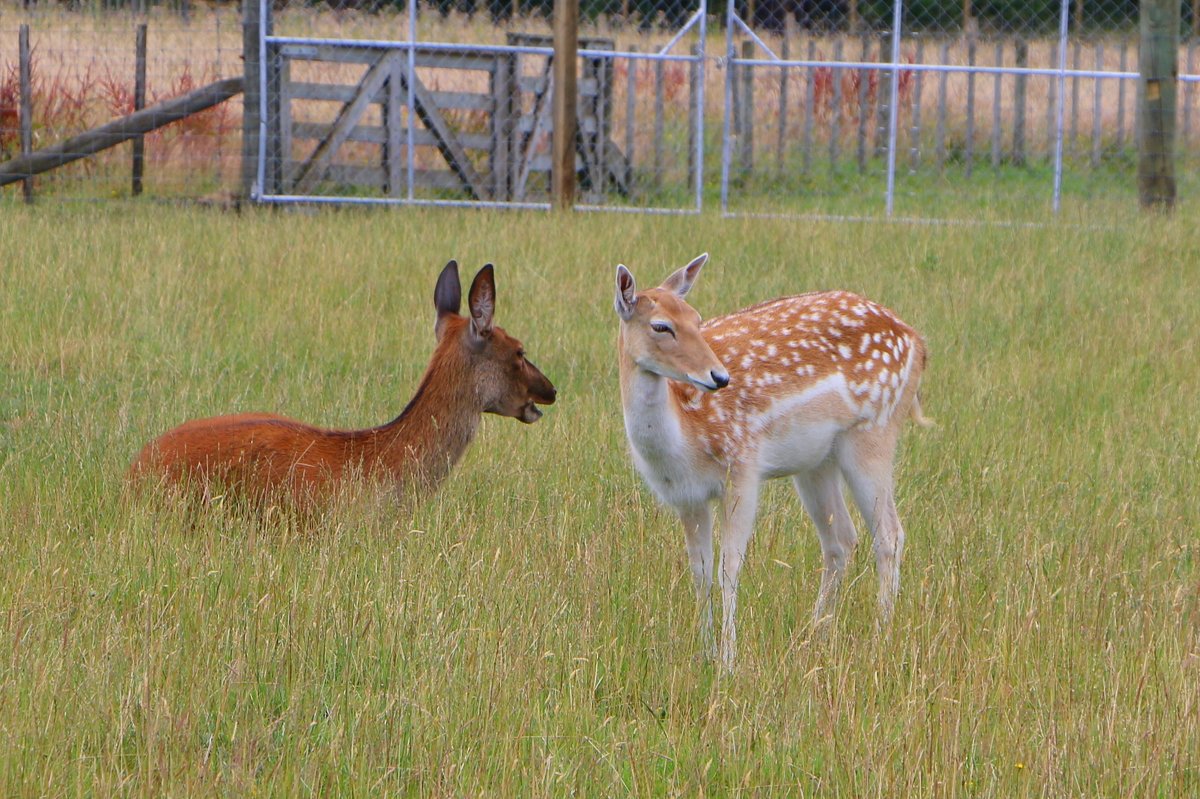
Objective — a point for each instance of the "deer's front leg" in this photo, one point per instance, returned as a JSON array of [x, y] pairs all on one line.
[[741, 504], [697, 530]]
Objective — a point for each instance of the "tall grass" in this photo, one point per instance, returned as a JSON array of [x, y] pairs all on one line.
[[530, 630]]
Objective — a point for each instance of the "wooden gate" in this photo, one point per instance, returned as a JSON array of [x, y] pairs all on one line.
[[337, 122]]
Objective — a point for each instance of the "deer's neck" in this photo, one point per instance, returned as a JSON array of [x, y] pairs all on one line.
[[421, 446], [661, 438]]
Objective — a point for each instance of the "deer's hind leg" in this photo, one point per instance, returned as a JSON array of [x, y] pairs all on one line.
[[820, 492], [866, 459]]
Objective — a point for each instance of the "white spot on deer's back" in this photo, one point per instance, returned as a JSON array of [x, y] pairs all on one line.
[[844, 351]]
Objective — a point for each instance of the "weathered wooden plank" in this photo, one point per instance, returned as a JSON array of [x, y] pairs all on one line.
[[25, 80], [503, 88], [393, 132], [278, 107], [914, 140], [378, 134], [343, 93], [809, 105], [375, 177], [781, 128], [138, 159], [658, 123], [835, 116], [346, 120], [1021, 99], [120, 130], [969, 155], [630, 112], [1120, 142], [864, 109], [939, 143], [447, 139], [351, 54], [533, 84], [587, 125], [997, 87]]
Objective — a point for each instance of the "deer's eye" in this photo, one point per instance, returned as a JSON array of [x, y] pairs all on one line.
[[662, 327]]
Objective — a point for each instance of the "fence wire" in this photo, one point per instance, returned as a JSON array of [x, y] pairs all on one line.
[[764, 106]]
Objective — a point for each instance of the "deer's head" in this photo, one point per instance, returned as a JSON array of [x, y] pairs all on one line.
[[505, 382], [660, 332]]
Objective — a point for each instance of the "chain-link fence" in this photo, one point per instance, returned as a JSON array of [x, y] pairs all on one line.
[[452, 104], [1001, 108], [81, 66], [768, 106]]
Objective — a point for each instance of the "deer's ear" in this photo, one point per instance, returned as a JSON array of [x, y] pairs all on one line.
[[482, 301], [680, 282], [447, 296], [626, 296]]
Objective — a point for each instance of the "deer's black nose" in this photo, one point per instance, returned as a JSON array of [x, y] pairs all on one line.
[[720, 378]]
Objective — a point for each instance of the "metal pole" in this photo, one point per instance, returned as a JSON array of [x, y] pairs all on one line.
[[726, 146], [1064, 15], [409, 139], [893, 114], [700, 53], [264, 28]]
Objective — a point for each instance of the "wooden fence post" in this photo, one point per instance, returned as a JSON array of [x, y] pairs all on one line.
[[26, 111], [566, 93], [1158, 63], [746, 140], [1021, 92], [139, 102], [969, 154]]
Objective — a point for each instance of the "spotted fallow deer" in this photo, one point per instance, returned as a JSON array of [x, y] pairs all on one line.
[[810, 386], [475, 368]]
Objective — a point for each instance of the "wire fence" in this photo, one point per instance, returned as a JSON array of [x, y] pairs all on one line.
[[761, 107]]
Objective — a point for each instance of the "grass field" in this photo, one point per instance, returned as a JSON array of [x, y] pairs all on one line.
[[529, 631]]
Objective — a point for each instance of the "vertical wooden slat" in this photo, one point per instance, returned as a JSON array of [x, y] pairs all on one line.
[[1051, 102], [746, 74], [1020, 99], [25, 77], [914, 151], [864, 110], [786, 54], [658, 124], [602, 68], [940, 138], [883, 95], [631, 115], [277, 107], [1076, 60], [809, 106], [1120, 141], [393, 162], [1189, 93], [836, 116], [694, 89], [139, 102], [997, 88], [1097, 108], [969, 155]]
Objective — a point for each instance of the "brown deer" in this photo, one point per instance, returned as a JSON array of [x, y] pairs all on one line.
[[476, 368], [815, 387]]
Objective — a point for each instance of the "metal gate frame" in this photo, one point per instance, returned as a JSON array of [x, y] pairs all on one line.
[[268, 41]]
